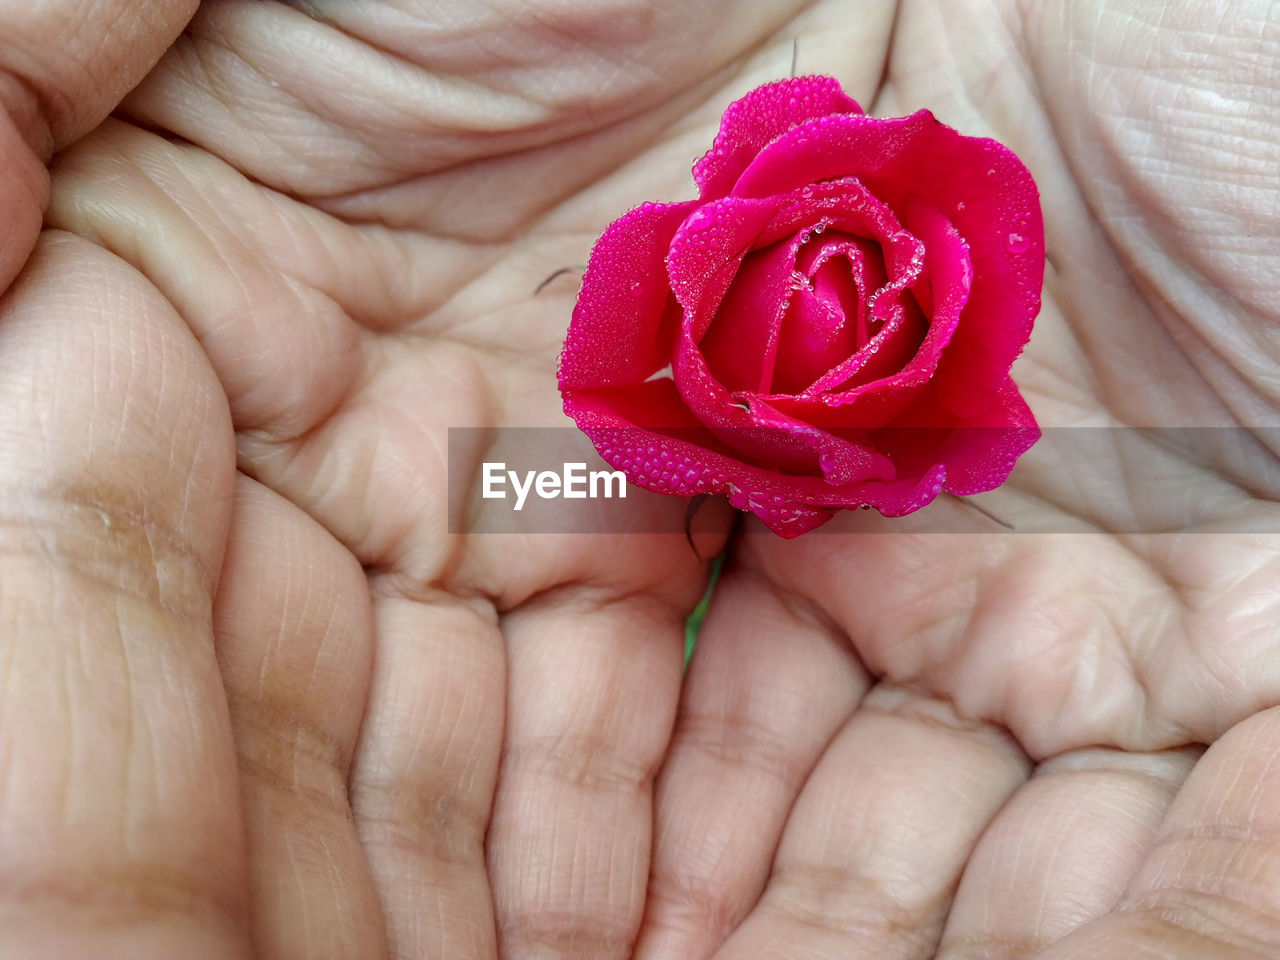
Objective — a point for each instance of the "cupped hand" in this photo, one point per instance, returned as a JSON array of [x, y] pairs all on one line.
[[258, 700]]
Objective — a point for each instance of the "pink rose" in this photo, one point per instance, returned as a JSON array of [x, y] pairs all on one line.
[[830, 324]]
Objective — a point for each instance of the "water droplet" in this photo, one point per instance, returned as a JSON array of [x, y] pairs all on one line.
[[1018, 243], [991, 172], [700, 219], [637, 288], [960, 207], [806, 191]]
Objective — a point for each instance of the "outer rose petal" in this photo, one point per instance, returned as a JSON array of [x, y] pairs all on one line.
[[622, 329], [648, 433], [978, 184], [979, 452], [758, 118]]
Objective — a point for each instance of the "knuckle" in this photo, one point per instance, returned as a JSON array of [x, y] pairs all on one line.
[[837, 899], [744, 742], [420, 819], [584, 761]]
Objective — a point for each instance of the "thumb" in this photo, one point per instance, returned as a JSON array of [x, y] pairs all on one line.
[[63, 67]]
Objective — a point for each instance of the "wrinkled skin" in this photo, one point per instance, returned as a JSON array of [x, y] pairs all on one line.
[[256, 700]]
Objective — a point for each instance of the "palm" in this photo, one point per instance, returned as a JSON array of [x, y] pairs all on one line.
[[446, 739]]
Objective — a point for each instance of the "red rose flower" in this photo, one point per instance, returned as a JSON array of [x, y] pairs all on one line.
[[830, 324]]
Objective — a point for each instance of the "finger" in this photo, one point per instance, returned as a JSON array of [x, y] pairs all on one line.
[[878, 838], [24, 190], [426, 765], [382, 93], [770, 683], [63, 67], [1210, 886], [593, 683], [294, 639], [120, 829], [1061, 851]]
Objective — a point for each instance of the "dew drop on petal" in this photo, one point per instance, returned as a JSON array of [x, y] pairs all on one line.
[[637, 288], [700, 219], [960, 207], [1018, 243]]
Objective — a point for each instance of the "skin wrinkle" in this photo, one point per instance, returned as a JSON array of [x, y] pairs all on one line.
[[130, 747], [430, 826], [753, 746], [1120, 158], [228, 99], [274, 735], [118, 899], [25, 106], [68, 522], [1191, 910], [316, 12], [631, 107], [1061, 134], [851, 906]]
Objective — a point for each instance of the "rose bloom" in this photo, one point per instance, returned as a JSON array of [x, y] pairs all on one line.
[[830, 324]]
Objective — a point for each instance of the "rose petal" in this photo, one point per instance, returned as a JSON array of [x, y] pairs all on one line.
[[978, 184], [741, 343], [682, 457], [820, 328], [896, 341], [622, 330], [764, 113], [841, 458], [866, 270], [978, 451], [707, 251], [982, 451]]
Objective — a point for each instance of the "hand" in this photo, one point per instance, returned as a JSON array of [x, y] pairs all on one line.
[[256, 700]]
